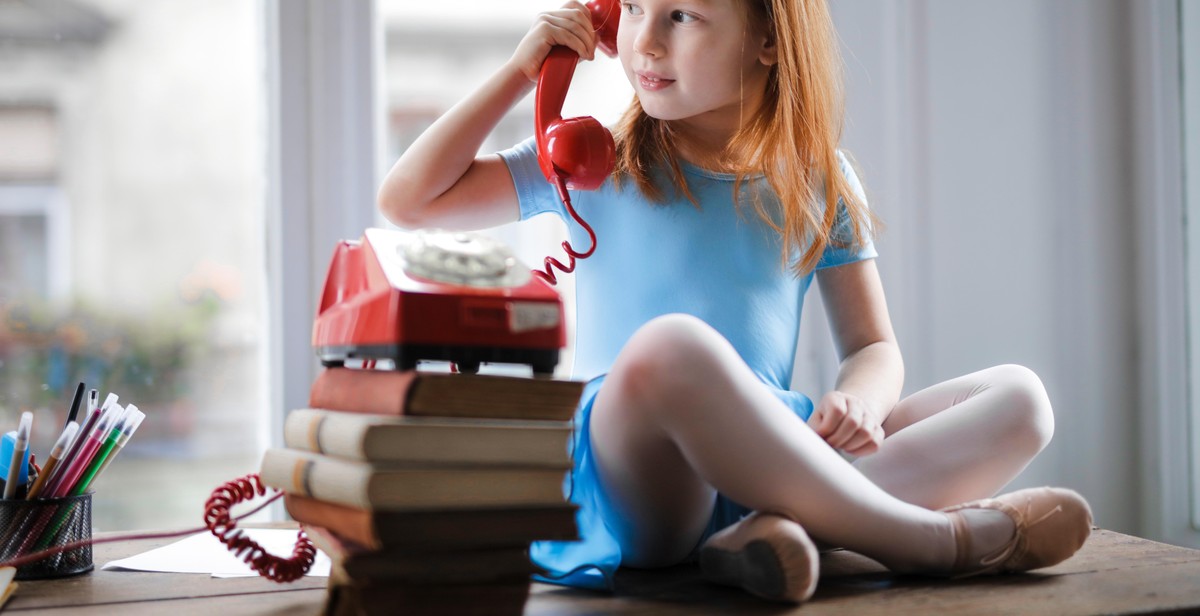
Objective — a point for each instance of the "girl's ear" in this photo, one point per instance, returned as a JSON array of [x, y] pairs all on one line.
[[769, 54]]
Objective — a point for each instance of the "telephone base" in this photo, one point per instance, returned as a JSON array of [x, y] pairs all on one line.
[[467, 358]]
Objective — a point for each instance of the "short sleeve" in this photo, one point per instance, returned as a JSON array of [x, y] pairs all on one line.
[[842, 250], [534, 194]]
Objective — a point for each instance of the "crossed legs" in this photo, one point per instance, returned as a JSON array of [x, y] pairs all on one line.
[[962, 439], [681, 416]]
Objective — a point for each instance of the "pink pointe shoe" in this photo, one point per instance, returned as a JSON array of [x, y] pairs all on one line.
[[766, 554], [1051, 525]]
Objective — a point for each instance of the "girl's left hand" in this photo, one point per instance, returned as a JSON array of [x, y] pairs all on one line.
[[844, 421]]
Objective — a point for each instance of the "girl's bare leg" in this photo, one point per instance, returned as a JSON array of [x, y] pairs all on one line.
[[963, 439], [681, 415]]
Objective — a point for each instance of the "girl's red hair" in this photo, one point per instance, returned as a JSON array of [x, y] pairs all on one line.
[[792, 139]]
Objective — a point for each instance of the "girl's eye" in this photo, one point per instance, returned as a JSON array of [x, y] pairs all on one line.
[[682, 17], [632, 8]]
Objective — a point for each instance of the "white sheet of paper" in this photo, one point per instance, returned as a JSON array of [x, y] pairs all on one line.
[[202, 553]]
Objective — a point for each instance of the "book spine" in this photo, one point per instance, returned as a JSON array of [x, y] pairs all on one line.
[[318, 477], [335, 434], [408, 392], [358, 484], [354, 525], [379, 438]]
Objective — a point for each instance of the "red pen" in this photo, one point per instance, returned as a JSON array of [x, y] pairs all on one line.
[[84, 456], [52, 482]]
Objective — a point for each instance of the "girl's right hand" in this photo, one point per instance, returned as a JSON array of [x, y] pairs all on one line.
[[570, 26], [845, 422]]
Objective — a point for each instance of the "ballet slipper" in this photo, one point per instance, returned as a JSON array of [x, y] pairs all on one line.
[[766, 554], [1051, 525]]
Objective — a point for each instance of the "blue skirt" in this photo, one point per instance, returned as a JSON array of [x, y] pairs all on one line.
[[592, 561]]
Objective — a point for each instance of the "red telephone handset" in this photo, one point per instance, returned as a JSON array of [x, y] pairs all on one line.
[[576, 153]]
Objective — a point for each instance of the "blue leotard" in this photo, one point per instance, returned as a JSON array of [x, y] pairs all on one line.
[[714, 262]]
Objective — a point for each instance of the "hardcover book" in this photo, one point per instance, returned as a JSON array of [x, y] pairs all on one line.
[[409, 487], [439, 394], [483, 566], [443, 530], [384, 438]]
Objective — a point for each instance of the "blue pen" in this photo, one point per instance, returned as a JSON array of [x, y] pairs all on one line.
[[18, 464]]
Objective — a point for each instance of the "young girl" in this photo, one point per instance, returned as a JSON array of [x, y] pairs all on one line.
[[728, 198]]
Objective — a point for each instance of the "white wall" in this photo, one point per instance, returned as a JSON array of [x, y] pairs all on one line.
[[994, 141]]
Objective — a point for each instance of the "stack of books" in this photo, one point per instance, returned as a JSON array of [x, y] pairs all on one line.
[[427, 488]]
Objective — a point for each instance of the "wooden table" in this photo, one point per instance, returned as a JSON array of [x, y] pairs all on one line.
[[1113, 574], [133, 593]]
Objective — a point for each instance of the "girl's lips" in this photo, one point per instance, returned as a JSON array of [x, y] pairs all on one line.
[[652, 83]]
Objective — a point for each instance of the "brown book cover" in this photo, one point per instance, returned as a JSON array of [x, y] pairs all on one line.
[[441, 394], [446, 530], [480, 566]]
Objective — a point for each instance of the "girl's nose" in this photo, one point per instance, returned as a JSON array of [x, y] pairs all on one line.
[[648, 42]]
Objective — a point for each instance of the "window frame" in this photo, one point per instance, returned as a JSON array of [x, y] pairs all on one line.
[[325, 146], [1168, 491], [1189, 54], [48, 201]]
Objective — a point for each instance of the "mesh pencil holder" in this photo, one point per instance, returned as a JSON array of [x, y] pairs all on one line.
[[27, 527]]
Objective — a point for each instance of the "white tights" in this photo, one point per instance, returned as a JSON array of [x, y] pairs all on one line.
[[681, 416]]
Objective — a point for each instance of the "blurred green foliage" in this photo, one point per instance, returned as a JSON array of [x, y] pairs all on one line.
[[46, 350]]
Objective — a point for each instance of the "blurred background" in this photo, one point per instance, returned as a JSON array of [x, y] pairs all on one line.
[[173, 176]]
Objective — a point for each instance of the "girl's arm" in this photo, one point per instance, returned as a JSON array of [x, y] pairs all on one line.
[[872, 370], [439, 181]]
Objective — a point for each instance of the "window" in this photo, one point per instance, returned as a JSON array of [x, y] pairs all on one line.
[[131, 214]]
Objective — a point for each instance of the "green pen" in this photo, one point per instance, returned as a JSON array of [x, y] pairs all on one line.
[[110, 443], [133, 419]]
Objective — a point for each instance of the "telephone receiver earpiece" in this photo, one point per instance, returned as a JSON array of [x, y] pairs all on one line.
[[579, 152]]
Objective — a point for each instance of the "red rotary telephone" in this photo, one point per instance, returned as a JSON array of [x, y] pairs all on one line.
[[578, 152]]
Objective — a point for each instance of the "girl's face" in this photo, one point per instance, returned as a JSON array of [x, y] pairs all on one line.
[[701, 61]]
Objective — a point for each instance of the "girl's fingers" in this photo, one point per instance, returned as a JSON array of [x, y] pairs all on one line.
[[571, 30], [829, 414], [862, 443], [850, 425], [874, 440], [570, 27], [825, 420], [568, 32], [844, 423], [580, 13]]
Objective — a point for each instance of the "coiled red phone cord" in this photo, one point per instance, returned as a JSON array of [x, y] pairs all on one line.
[[218, 521], [224, 527], [547, 272]]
